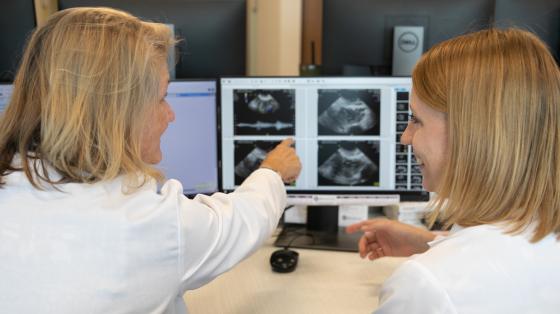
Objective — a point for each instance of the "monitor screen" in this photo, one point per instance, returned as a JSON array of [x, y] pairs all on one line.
[[346, 129], [189, 145], [212, 33], [5, 94]]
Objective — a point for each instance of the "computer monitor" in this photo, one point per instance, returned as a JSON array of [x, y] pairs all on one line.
[[17, 20], [212, 32], [189, 145], [358, 34], [5, 95], [347, 134]]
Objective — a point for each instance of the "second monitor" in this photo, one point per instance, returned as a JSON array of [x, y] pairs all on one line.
[[189, 145]]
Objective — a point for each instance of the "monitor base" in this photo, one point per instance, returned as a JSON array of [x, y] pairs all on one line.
[[298, 236]]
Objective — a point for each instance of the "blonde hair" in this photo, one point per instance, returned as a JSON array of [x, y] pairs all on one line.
[[88, 79], [501, 92]]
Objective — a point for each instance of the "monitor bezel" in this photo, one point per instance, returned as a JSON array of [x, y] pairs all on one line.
[[408, 195]]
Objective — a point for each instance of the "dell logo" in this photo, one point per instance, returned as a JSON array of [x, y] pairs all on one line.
[[408, 42]]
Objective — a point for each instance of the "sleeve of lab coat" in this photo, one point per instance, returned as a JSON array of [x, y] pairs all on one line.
[[218, 231]]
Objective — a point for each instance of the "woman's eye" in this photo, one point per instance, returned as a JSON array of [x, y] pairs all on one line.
[[412, 118]]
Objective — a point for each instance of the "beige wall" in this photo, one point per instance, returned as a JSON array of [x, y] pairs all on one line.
[[44, 8], [274, 37]]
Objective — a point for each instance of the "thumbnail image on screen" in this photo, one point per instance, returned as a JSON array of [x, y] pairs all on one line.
[[264, 112], [348, 163], [349, 112], [249, 155]]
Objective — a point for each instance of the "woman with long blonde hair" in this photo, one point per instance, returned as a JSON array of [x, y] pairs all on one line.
[[82, 226], [485, 129]]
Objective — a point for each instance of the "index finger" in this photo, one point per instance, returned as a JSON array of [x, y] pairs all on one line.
[[354, 227], [287, 142], [362, 247]]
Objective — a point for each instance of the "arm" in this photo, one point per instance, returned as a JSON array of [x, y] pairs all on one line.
[[384, 237], [219, 231]]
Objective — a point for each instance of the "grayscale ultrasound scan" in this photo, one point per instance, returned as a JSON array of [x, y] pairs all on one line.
[[248, 157], [348, 112], [264, 112], [348, 163], [264, 103]]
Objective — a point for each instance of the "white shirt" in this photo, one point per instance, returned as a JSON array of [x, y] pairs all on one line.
[[478, 270], [92, 249]]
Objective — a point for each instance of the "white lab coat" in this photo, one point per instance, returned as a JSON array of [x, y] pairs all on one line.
[[92, 249], [477, 270]]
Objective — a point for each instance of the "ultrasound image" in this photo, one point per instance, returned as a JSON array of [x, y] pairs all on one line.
[[248, 157], [348, 163], [264, 112], [349, 112], [264, 103]]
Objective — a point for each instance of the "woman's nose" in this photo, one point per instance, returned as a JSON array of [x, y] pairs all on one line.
[[170, 114], [406, 137]]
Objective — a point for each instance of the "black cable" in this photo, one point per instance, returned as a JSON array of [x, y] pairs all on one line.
[[296, 235]]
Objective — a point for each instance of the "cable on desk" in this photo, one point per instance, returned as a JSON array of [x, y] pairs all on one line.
[[297, 234], [281, 222]]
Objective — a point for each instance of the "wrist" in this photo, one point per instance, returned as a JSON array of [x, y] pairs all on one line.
[[269, 168]]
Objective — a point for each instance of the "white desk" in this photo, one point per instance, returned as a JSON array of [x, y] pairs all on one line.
[[323, 282]]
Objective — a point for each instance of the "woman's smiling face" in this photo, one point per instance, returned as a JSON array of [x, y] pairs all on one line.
[[427, 133]]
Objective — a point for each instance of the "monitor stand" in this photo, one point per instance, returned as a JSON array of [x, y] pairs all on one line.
[[321, 232]]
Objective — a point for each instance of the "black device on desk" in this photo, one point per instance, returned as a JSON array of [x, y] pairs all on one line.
[[284, 260], [347, 132]]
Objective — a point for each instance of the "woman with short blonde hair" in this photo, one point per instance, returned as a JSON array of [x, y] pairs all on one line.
[[501, 93], [485, 129], [82, 225]]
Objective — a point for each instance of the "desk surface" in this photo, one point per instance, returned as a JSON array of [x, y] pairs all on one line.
[[323, 282]]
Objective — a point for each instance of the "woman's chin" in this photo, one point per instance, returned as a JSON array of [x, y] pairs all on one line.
[[426, 184]]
